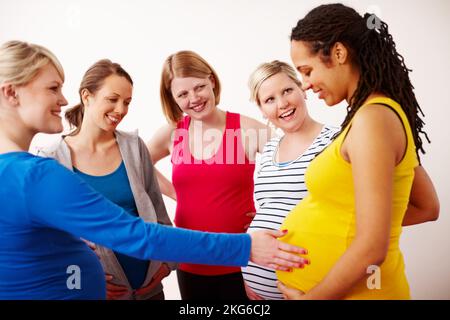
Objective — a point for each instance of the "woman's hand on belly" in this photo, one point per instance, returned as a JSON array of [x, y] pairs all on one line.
[[290, 293], [268, 251]]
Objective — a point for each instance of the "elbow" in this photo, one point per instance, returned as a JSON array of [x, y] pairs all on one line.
[[377, 256], [434, 211], [431, 212], [374, 254]]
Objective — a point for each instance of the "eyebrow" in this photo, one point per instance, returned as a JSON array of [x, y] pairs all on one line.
[[302, 67], [118, 95], [180, 92]]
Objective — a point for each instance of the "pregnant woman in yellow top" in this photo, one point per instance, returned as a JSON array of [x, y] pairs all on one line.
[[361, 184]]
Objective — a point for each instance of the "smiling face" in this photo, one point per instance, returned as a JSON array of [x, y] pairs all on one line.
[[282, 101], [194, 96], [109, 105], [41, 100], [331, 80]]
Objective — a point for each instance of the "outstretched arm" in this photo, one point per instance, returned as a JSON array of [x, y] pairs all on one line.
[[58, 199]]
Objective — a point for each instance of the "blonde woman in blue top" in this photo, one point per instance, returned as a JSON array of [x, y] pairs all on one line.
[[46, 208]]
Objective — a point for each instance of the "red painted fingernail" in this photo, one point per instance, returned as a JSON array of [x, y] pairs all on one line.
[[284, 231]]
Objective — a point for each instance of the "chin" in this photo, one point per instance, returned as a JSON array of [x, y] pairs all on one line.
[[329, 102], [53, 130], [332, 102], [109, 128]]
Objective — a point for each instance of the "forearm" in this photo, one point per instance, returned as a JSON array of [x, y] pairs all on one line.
[[182, 245], [423, 203], [166, 186], [345, 274]]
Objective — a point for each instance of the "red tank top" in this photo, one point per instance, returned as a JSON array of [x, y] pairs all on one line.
[[214, 194]]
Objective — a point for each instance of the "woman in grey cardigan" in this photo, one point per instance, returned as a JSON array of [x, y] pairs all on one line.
[[118, 165]]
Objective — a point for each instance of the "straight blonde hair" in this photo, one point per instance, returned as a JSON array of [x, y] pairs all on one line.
[[20, 62], [266, 70]]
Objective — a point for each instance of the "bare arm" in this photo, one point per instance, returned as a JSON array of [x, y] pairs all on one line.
[[165, 185], [374, 145], [423, 202], [255, 136], [159, 148]]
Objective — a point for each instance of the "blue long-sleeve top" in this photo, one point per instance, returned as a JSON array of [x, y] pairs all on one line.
[[45, 209]]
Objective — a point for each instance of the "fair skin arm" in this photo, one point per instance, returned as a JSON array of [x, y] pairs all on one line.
[[423, 202], [373, 171], [159, 148], [255, 135]]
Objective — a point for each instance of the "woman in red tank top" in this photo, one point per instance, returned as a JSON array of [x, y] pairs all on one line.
[[212, 167]]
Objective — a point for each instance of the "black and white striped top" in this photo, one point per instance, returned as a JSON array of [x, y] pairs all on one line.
[[279, 187]]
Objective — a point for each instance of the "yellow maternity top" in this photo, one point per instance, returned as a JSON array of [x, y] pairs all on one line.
[[324, 222]]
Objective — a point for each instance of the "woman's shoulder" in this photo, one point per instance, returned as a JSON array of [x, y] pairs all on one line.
[[39, 167], [127, 134], [375, 115], [50, 149], [251, 123]]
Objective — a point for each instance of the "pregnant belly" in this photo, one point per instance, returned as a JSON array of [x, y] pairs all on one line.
[[323, 252]]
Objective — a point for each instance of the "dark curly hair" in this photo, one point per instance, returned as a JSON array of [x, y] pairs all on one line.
[[372, 50]]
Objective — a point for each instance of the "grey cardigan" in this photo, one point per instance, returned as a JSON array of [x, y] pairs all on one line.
[[148, 198]]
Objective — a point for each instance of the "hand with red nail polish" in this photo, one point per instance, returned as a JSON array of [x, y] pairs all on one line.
[[268, 251]]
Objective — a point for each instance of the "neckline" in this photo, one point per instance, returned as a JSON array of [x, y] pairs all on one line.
[[102, 176], [188, 146], [288, 163]]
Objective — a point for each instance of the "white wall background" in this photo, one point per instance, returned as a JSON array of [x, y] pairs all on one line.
[[236, 36]]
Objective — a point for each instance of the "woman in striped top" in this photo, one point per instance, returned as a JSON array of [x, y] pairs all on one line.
[[280, 184]]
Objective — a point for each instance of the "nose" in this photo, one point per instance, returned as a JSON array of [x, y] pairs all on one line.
[[63, 101], [193, 96], [282, 102], [306, 85], [122, 108]]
